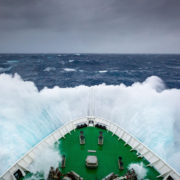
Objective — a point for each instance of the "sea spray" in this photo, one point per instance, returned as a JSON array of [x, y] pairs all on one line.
[[147, 110], [44, 159], [139, 169]]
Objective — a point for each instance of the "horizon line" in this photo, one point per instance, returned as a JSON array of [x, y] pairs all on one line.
[[79, 53]]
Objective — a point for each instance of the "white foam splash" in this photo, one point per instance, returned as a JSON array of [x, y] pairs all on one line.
[[69, 69], [44, 160], [147, 110], [139, 170], [104, 71]]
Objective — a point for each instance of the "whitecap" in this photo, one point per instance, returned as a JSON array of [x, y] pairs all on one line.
[[104, 71], [69, 69], [49, 69]]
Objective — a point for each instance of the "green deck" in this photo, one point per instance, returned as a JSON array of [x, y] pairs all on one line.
[[107, 154]]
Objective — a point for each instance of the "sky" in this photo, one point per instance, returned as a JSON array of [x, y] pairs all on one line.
[[89, 26]]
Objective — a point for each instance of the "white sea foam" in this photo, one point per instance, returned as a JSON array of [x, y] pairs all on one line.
[[147, 110], [50, 69], [71, 60], [69, 69], [104, 71], [44, 160], [139, 169]]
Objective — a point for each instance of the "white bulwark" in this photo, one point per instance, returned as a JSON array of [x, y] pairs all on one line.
[[154, 160]]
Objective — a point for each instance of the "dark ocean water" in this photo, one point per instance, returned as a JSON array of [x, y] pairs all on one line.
[[69, 70]]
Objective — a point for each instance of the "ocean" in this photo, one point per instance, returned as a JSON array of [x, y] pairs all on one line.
[[70, 70], [39, 92]]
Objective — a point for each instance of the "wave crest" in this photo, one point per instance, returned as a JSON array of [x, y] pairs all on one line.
[[147, 110]]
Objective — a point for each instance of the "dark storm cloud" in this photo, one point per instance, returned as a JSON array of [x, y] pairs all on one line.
[[137, 26]]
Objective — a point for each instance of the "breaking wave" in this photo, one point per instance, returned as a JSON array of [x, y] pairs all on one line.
[[147, 110], [104, 71], [69, 69], [49, 69]]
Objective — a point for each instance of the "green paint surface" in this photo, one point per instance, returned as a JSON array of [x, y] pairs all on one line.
[[107, 154]]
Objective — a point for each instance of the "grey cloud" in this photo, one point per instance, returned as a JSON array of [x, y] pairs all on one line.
[[90, 25]]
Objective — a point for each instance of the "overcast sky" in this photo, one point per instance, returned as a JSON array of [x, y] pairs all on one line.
[[92, 26]]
